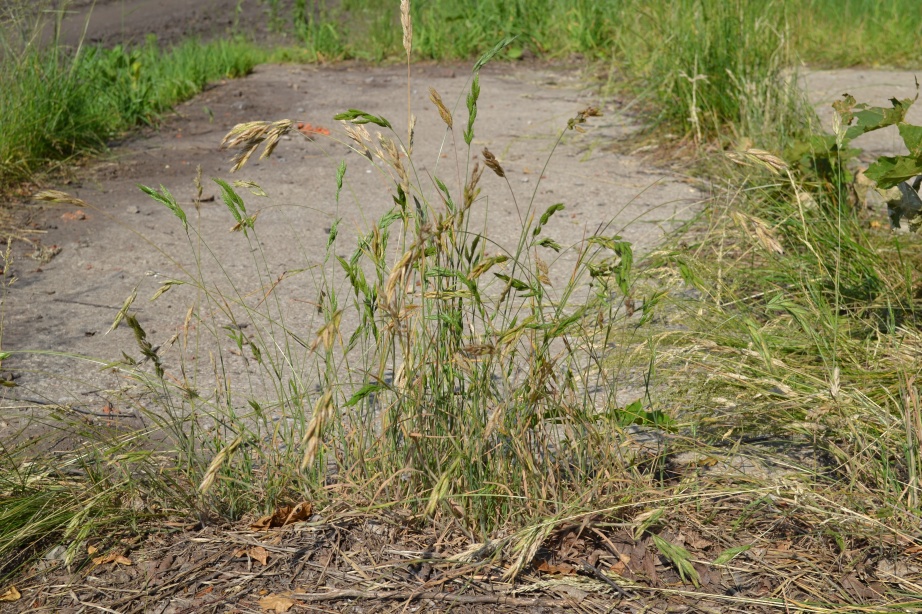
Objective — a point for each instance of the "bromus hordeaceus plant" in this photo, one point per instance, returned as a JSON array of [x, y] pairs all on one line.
[[443, 372]]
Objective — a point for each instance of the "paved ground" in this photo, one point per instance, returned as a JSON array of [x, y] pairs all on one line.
[[126, 241]]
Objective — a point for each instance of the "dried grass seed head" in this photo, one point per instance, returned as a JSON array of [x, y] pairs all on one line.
[[490, 160], [407, 24], [582, 117], [443, 110], [58, 197], [249, 136]]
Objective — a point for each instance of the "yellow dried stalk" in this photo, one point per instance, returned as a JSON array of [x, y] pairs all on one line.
[[764, 234], [471, 191], [407, 25], [393, 157], [760, 158]]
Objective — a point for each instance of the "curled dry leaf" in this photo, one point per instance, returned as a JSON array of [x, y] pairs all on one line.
[[112, 557], [276, 603], [285, 515], [10, 594], [258, 553]]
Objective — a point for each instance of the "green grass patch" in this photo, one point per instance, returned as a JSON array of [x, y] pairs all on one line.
[[55, 104]]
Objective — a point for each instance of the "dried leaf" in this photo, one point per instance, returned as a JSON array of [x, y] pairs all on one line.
[[283, 516], [112, 557], [204, 592], [258, 553], [276, 603], [10, 594]]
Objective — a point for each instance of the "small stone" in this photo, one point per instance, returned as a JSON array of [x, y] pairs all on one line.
[[132, 209]]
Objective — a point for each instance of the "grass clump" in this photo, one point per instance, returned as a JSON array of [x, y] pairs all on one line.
[[57, 103], [803, 322], [439, 377]]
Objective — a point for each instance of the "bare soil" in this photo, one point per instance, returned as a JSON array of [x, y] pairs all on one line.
[[74, 268]]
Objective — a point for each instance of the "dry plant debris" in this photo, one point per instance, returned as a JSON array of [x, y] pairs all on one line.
[[726, 548]]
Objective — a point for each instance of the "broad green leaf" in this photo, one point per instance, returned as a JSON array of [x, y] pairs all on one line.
[[873, 118], [912, 137], [890, 171]]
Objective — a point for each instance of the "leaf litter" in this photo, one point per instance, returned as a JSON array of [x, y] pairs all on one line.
[[742, 548]]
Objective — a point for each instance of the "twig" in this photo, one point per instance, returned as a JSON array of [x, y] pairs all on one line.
[[41, 403], [432, 596], [593, 571]]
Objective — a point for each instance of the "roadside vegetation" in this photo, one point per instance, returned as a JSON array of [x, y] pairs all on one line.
[[58, 103], [446, 380]]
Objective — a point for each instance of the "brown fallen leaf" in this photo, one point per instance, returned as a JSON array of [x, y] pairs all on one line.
[[204, 592], [258, 553], [112, 557], [276, 603], [10, 594], [285, 515]]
